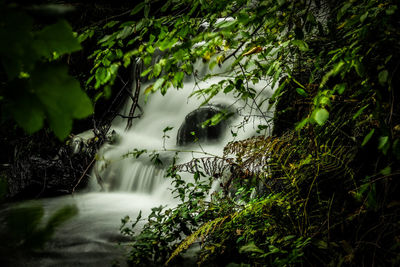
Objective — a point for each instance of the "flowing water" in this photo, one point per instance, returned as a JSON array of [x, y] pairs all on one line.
[[130, 184]]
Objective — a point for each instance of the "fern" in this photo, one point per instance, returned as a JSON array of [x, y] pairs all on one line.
[[202, 232]]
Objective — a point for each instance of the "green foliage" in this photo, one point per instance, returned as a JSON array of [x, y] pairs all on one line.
[[164, 227], [34, 86], [323, 186], [25, 230]]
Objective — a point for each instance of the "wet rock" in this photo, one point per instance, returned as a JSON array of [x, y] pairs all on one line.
[[192, 130]]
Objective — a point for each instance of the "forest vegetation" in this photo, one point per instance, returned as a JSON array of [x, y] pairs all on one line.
[[320, 190]]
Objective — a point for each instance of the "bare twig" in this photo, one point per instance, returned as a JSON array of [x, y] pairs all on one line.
[[83, 175], [242, 44], [135, 98]]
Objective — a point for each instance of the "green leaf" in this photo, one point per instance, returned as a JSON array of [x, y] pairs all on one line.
[[178, 79], [243, 17], [156, 70], [168, 128], [217, 118], [386, 171], [335, 70], [229, 88], [364, 17], [85, 35], [250, 248], [61, 97], [225, 23], [367, 137], [301, 92], [340, 88], [383, 76], [321, 116], [105, 38], [360, 111], [303, 46], [144, 73], [165, 6], [277, 93], [146, 10], [343, 10], [57, 38], [110, 24], [147, 60], [25, 107], [137, 8], [212, 64], [384, 144], [125, 32], [321, 244], [281, 2], [167, 43], [391, 10], [164, 87], [301, 124], [158, 84]]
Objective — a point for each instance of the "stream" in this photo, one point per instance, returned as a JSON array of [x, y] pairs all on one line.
[[130, 185]]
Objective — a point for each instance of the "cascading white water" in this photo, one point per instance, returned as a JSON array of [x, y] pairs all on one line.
[[131, 184], [121, 172]]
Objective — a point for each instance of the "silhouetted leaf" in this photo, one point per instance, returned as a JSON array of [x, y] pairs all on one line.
[[56, 38], [61, 97]]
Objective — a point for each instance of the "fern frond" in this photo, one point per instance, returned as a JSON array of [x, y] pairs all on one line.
[[212, 166], [203, 231]]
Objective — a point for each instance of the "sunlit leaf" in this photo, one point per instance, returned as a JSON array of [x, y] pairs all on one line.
[[225, 23], [321, 116], [156, 70], [158, 84]]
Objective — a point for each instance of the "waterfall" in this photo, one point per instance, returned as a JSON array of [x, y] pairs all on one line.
[[132, 184], [121, 171]]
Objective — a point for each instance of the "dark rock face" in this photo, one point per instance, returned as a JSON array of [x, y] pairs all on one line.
[[193, 123]]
